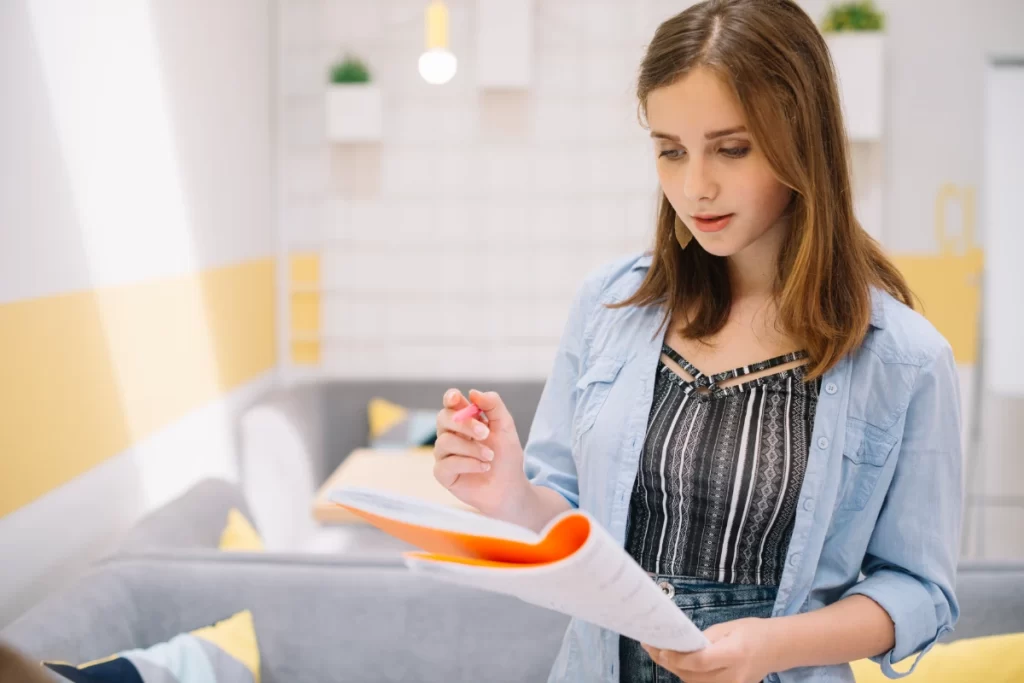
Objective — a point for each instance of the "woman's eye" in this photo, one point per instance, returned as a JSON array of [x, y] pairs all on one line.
[[731, 152], [735, 152]]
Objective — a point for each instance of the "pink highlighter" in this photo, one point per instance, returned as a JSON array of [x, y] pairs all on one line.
[[470, 411]]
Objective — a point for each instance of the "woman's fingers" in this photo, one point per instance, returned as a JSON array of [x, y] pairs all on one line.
[[454, 401], [447, 470], [449, 444]]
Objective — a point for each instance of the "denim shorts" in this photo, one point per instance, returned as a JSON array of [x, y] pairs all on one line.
[[706, 603]]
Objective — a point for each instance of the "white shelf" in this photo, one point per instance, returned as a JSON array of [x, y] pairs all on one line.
[[354, 113], [859, 58]]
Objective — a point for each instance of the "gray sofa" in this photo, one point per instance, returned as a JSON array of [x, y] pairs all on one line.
[[323, 618]]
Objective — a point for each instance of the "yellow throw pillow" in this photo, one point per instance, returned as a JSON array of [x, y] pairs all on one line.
[[992, 659], [237, 637], [393, 426], [239, 534], [383, 416]]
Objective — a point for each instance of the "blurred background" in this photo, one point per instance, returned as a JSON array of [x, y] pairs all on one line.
[[212, 209]]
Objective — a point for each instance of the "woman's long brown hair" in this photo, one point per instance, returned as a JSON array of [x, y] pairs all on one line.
[[772, 56]]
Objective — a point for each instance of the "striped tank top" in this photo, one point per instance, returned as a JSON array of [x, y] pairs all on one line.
[[716, 492]]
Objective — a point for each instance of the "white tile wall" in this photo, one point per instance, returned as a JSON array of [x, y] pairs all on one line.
[[453, 248]]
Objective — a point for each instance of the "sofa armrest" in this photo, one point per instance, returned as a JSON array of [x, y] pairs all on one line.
[[195, 519], [304, 409], [991, 597]]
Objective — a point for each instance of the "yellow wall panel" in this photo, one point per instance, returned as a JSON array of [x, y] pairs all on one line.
[[305, 305], [305, 269], [305, 314], [947, 284], [947, 287], [87, 374], [306, 352]]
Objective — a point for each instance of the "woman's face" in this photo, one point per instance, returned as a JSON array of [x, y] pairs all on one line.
[[708, 166]]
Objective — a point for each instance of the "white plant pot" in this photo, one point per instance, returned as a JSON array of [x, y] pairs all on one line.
[[859, 58], [354, 112]]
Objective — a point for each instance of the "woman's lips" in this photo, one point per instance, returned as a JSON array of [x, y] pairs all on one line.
[[712, 224]]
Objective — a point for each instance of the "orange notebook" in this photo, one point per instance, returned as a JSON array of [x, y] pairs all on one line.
[[572, 566]]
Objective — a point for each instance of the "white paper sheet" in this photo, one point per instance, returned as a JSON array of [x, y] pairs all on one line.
[[600, 584]]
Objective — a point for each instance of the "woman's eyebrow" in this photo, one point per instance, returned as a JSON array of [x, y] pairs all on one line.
[[708, 136]]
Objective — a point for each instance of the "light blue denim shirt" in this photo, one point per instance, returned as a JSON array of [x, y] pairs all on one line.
[[880, 506]]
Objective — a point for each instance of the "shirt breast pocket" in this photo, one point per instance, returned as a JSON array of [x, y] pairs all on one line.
[[864, 455], [592, 391]]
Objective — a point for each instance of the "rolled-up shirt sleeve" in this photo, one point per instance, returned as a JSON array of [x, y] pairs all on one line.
[[911, 560]]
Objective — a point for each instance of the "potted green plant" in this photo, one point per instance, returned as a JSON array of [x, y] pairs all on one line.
[[353, 102], [854, 31], [860, 15]]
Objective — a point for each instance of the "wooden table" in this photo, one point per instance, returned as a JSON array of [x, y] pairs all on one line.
[[408, 472]]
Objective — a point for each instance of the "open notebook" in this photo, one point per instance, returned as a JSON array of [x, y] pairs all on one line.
[[572, 566]]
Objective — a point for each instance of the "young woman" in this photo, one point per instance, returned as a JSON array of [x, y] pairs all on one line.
[[753, 408]]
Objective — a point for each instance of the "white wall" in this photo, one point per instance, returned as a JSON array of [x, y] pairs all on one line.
[[135, 138], [136, 142]]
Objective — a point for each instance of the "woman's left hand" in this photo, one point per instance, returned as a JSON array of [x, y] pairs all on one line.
[[740, 652]]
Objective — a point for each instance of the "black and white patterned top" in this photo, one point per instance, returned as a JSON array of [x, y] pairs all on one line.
[[716, 493]]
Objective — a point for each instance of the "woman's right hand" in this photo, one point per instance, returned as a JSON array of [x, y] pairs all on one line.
[[479, 461]]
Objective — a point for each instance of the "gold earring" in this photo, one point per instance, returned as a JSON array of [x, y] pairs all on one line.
[[683, 234]]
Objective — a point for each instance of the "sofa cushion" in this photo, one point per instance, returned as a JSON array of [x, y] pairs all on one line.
[[991, 598]]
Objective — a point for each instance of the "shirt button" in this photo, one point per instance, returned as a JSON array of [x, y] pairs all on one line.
[[808, 504], [822, 442], [831, 388], [794, 559]]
